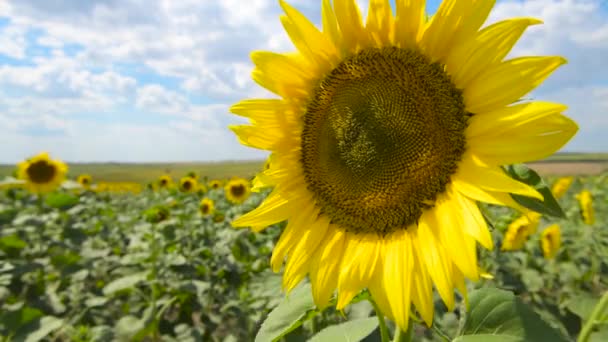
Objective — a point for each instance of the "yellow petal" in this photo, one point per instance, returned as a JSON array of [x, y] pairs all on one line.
[[301, 255], [380, 22], [422, 288], [325, 266], [354, 36], [474, 223], [493, 179], [486, 48], [289, 237], [330, 25], [408, 22], [435, 259], [311, 42], [361, 256], [274, 209], [454, 20], [450, 225], [507, 82], [280, 73], [398, 266], [535, 139]]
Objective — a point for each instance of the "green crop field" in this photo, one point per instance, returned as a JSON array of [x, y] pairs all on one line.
[[79, 265]]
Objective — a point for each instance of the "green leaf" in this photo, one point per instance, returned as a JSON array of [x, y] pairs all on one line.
[[487, 338], [288, 315], [38, 329], [549, 205], [124, 283], [127, 327], [11, 242], [582, 305], [350, 331], [499, 313], [61, 200]]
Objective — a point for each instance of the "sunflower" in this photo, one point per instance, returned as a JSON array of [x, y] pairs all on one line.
[[206, 206], [85, 180], [237, 190], [41, 173], [384, 136], [519, 231], [551, 241], [165, 181], [560, 187], [585, 200], [215, 184], [188, 184]]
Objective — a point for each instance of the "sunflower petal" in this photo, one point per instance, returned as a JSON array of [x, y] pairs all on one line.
[[359, 263], [330, 24], [408, 22], [354, 36], [275, 208], [486, 48], [380, 22], [301, 255], [325, 267], [311, 42], [493, 179], [449, 222], [454, 21], [422, 288], [506, 82], [398, 267], [435, 259], [474, 223], [520, 133], [290, 235]]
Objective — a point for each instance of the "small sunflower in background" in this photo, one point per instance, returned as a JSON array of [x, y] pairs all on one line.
[[519, 230], [551, 241], [215, 184], [237, 190], [188, 184], [165, 181], [41, 173], [585, 201], [206, 206], [561, 186], [85, 180], [385, 134]]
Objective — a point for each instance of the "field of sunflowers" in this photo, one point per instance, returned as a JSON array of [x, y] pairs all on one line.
[[87, 261]]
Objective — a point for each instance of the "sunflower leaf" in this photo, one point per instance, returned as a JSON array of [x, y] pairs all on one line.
[[497, 315], [296, 308], [355, 330], [548, 206]]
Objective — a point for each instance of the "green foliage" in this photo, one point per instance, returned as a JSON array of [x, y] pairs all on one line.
[[148, 267], [548, 206]]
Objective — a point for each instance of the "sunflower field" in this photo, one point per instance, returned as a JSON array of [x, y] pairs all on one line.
[[162, 263]]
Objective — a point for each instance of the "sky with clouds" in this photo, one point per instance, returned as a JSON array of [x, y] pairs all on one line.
[[152, 80]]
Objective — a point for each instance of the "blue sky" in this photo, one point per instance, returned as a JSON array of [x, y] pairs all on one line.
[[131, 80]]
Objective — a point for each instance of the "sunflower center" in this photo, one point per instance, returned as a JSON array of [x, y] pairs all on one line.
[[381, 138], [41, 172], [163, 182], [205, 208], [187, 185], [237, 190]]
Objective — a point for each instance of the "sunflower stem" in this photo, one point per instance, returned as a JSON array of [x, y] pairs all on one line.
[[404, 336], [381, 322], [600, 309]]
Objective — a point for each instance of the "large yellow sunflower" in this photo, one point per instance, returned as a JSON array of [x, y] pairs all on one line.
[[237, 190], [385, 136], [41, 173]]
